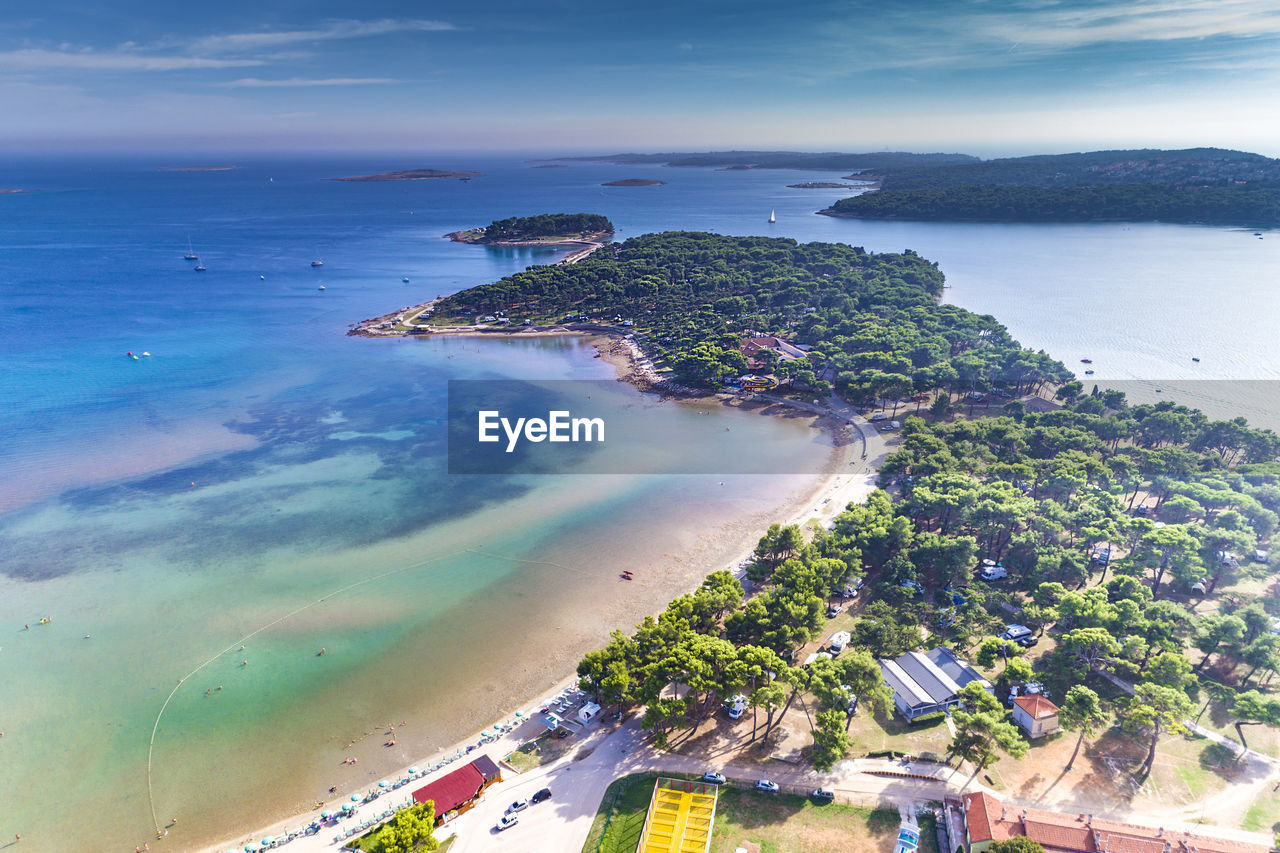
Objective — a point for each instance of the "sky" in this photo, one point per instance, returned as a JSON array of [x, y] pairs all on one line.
[[988, 77]]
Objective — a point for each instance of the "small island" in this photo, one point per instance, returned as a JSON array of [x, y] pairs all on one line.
[[196, 168], [413, 175], [821, 185], [633, 182]]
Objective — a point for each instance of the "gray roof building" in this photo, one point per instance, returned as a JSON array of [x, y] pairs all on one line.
[[928, 682]]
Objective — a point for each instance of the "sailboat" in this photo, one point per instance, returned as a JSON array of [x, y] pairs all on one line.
[[772, 217], [191, 253], [199, 266]]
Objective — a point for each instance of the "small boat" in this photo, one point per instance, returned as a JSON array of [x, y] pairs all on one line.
[[1088, 373], [191, 253], [1195, 358], [147, 355], [262, 278], [1086, 361], [200, 267], [321, 287], [405, 279], [772, 217], [317, 263]]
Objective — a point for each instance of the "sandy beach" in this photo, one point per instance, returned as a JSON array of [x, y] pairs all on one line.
[[848, 477]]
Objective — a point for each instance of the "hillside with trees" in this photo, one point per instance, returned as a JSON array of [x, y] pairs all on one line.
[[1196, 185], [1250, 204], [1186, 167], [872, 321]]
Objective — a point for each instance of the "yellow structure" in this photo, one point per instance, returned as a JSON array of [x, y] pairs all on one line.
[[680, 817]]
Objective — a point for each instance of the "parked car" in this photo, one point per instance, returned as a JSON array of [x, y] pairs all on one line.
[[833, 611], [736, 705], [544, 794], [767, 787], [506, 822], [1028, 641], [879, 416], [518, 806], [822, 795], [1102, 556], [713, 778]]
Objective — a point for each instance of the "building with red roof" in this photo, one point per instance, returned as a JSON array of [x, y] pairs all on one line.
[[457, 791], [1036, 714], [988, 820]]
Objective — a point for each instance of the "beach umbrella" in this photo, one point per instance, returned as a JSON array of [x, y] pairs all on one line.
[[326, 815], [355, 798], [383, 784], [265, 841], [347, 807], [413, 770], [519, 713]]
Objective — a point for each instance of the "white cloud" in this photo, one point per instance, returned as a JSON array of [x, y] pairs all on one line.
[[1064, 27], [37, 59], [294, 82], [239, 42]]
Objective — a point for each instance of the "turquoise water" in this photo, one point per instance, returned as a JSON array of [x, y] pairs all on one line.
[[263, 479]]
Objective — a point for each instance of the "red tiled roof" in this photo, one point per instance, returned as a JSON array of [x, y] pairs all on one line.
[[1036, 705], [1057, 837], [452, 790], [978, 808], [990, 820]]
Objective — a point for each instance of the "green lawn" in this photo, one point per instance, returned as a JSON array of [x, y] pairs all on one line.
[[782, 823]]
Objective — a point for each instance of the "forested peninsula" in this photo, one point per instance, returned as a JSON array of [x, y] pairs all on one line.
[[544, 228], [1198, 185], [870, 323], [1248, 205]]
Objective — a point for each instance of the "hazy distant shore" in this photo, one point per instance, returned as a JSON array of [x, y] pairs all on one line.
[[412, 175]]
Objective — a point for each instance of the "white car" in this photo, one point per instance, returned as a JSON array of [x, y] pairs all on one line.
[[518, 806], [506, 822], [767, 787]]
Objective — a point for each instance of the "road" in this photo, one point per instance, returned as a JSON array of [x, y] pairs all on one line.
[[578, 785]]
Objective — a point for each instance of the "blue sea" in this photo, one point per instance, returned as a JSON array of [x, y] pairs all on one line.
[[259, 478]]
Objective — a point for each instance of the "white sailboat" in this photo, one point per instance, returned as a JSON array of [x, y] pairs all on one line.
[[772, 217], [191, 253]]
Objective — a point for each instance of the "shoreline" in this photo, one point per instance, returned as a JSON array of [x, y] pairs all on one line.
[[833, 489], [845, 478]]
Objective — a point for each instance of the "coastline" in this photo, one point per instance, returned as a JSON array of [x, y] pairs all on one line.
[[825, 498], [848, 476]]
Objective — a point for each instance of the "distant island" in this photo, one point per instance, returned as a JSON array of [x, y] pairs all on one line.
[[11, 192], [633, 182], [412, 175], [821, 185], [549, 166], [591, 231], [196, 168], [1197, 185]]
